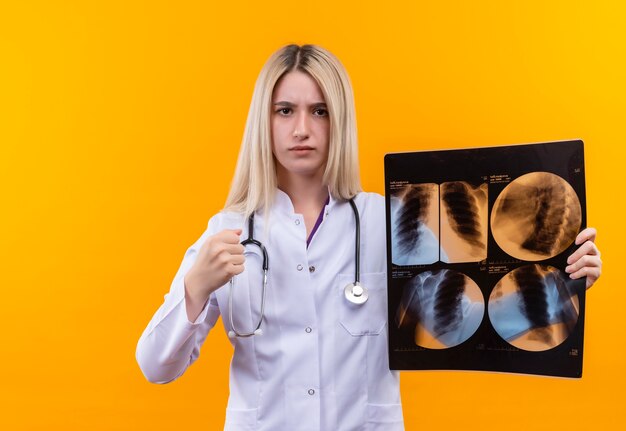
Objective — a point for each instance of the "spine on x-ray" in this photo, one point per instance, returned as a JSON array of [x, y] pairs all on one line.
[[534, 300], [447, 306]]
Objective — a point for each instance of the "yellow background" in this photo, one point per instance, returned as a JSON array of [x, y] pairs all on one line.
[[120, 123]]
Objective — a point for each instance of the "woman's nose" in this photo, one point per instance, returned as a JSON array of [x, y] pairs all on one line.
[[301, 128]]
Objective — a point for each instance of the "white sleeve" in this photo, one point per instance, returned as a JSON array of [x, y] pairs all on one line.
[[170, 342]]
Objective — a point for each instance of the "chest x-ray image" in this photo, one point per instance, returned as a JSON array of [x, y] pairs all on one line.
[[463, 222], [444, 307], [537, 216], [432, 222], [415, 224], [477, 245], [533, 307]]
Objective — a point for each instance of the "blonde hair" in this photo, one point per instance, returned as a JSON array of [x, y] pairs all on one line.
[[254, 183]]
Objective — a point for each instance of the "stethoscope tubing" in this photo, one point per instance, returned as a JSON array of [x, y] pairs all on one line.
[[257, 330], [357, 243], [349, 291]]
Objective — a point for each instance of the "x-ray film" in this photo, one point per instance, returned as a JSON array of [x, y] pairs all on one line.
[[414, 222], [463, 222], [534, 307], [536, 216], [477, 245], [443, 308]]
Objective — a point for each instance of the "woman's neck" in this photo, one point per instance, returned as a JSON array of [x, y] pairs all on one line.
[[307, 196]]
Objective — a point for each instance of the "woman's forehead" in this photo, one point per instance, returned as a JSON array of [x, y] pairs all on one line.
[[297, 87]]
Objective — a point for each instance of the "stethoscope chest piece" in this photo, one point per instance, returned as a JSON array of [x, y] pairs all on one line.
[[355, 293]]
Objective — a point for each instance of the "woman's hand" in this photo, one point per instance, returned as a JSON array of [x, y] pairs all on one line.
[[220, 258], [585, 261]]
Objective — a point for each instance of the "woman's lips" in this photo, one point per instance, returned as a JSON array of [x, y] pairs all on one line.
[[301, 149]]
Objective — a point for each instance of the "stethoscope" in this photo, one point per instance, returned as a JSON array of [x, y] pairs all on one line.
[[354, 292]]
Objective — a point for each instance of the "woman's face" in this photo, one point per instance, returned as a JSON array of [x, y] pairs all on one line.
[[300, 126]]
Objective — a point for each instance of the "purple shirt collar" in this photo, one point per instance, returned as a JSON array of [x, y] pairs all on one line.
[[318, 222]]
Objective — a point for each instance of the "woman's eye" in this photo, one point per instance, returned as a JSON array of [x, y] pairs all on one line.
[[284, 111], [321, 112]]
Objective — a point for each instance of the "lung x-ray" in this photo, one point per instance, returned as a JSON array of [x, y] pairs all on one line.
[[477, 243]]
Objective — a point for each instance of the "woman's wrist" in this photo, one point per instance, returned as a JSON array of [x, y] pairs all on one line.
[[195, 298]]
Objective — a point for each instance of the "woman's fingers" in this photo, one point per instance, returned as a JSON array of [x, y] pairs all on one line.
[[592, 274], [585, 261], [220, 258], [588, 234], [588, 248], [234, 249], [228, 236], [237, 259]]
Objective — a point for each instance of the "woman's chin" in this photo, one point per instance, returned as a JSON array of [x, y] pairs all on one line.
[[303, 169]]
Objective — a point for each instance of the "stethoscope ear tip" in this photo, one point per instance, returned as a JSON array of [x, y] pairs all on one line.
[[258, 332], [231, 334]]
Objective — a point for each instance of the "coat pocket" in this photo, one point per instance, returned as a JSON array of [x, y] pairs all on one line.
[[370, 317], [385, 417], [240, 419]]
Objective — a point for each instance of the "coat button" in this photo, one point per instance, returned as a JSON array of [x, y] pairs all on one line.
[[308, 330], [311, 392], [299, 267], [297, 222], [311, 268]]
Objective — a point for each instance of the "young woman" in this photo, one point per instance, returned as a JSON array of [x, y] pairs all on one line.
[[306, 357]]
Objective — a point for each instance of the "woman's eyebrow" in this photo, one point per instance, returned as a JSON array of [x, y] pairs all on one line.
[[291, 105]]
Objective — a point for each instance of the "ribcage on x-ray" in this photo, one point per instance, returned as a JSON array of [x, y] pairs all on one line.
[[443, 308], [533, 307], [537, 216], [464, 222], [413, 209]]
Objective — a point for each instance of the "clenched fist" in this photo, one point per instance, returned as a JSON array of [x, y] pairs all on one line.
[[220, 258]]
